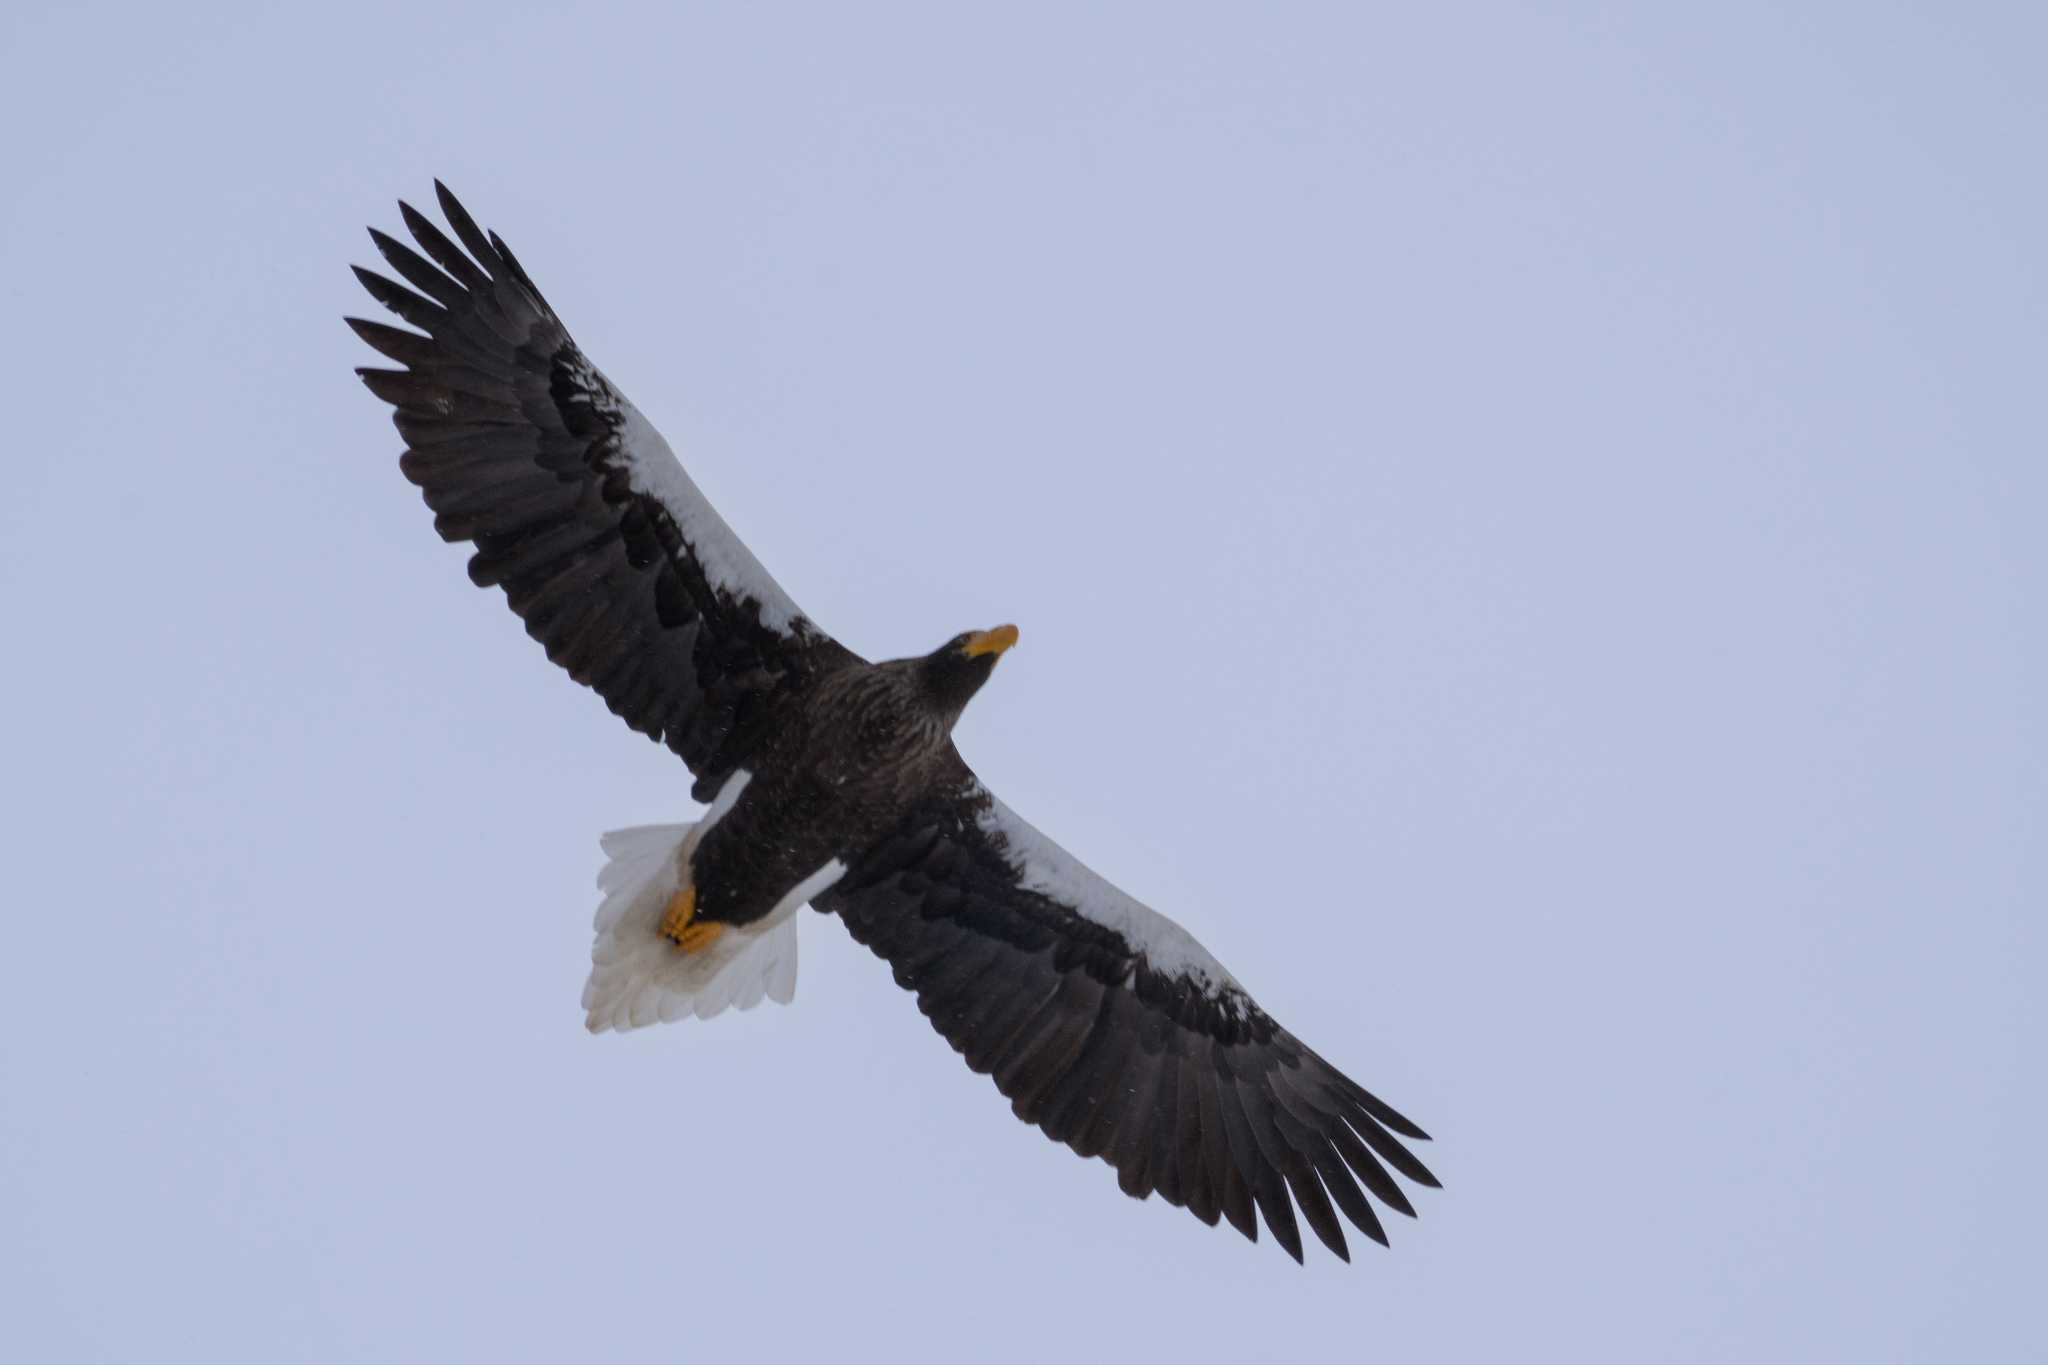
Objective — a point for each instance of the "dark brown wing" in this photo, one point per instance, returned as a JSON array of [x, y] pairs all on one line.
[[1110, 1028], [577, 507]]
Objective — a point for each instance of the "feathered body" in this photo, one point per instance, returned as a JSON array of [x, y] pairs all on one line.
[[853, 754], [834, 781]]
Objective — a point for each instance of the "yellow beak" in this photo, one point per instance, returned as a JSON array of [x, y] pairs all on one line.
[[989, 641]]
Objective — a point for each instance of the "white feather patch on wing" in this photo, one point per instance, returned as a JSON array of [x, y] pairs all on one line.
[[653, 469], [1043, 866]]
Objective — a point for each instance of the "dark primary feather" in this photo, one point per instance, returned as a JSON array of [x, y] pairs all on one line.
[[513, 439], [1219, 1111]]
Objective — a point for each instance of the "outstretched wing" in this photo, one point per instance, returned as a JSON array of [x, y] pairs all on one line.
[[577, 507], [1109, 1027]]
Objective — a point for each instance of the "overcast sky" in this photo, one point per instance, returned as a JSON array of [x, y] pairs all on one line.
[[1528, 540]]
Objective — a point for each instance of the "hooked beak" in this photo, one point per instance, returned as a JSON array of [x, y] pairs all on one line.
[[989, 642]]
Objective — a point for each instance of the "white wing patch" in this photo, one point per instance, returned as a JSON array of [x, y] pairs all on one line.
[[1043, 866], [653, 469]]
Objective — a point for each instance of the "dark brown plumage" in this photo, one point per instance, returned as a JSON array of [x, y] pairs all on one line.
[[836, 781]]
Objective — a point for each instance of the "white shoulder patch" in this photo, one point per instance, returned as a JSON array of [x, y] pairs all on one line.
[[653, 469], [1043, 866]]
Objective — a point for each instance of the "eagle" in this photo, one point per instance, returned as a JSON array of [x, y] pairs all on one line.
[[834, 782]]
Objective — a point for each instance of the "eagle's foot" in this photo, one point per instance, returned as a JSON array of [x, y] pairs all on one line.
[[698, 937], [680, 925]]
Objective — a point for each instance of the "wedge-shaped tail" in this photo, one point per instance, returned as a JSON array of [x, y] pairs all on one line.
[[638, 978]]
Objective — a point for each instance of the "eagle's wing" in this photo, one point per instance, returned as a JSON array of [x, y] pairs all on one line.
[[577, 507], [1108, 1026]]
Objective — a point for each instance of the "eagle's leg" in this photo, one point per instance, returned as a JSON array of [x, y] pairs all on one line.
[[680, 925]]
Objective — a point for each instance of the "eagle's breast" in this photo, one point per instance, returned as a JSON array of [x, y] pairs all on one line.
[[853, 756]]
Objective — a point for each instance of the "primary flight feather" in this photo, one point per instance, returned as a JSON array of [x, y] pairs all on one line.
[[834, 782]]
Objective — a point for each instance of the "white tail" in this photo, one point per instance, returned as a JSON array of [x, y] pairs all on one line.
[[638, 978]]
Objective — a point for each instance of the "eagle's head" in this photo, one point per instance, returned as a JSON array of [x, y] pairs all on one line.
[[950, 675]]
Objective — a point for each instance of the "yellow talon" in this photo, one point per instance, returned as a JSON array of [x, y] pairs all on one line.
[[679, 923], [682, 908], [698, 937]]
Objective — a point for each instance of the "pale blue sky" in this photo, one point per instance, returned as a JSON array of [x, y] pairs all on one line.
[[1528, 538]]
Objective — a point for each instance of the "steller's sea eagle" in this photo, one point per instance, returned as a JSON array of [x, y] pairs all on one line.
[[833, 781]]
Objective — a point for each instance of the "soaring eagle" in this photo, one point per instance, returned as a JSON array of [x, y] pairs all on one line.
[[834, 781]]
